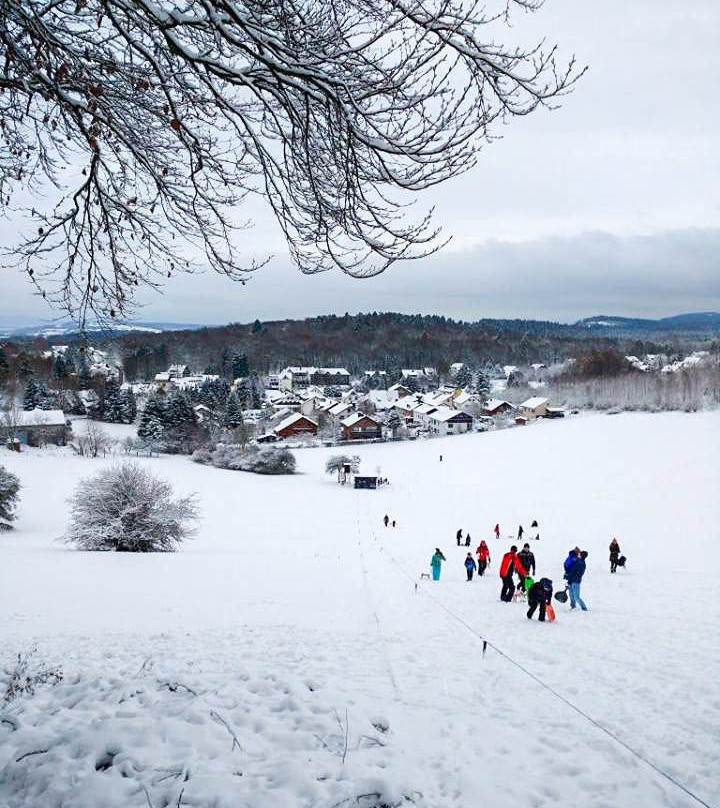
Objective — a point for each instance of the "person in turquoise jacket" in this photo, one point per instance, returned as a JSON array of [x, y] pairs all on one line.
[[436, 563]]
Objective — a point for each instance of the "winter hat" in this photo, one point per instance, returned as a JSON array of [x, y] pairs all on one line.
[[513, 549]]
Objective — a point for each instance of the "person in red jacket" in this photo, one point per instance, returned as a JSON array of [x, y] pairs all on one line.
[[509, 565], [496, 531], [483, 554]]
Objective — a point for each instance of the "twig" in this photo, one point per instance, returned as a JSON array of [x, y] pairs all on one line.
[[227, 726], [28, 754]]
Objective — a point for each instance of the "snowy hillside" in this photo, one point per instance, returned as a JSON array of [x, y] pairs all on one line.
[[290, 656]]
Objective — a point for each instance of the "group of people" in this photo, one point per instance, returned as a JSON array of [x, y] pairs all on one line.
[[387, 521], [574, 570], [521, 531]]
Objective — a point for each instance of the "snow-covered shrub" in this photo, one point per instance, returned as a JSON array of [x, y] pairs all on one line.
[[9, 496], [26, 676], [260, 460], [126, 508]]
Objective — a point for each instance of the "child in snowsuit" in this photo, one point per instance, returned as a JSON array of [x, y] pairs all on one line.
[[467, 540], [614, 555], [508, 566], [469, 566], [539, 594], [483, 554], [436, 563]]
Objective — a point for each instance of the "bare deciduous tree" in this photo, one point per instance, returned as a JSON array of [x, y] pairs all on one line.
[[143, 124]]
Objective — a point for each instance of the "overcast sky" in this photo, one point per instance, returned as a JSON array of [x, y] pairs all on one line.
[[609, 205]]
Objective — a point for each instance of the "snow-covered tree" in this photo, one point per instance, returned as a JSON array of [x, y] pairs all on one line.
[[9, 497], [129, 405], [152, 421], [482, 384], [173, 113], [260, 460], [112, 408], [463, 377], [35, 395], [394, 422], [240, 366], [337, 463], [233, 412], [126, 508], [92, 441], [180, 423]]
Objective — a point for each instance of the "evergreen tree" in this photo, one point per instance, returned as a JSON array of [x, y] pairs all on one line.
[[60, 369], [35, 395], [4, 365], [412, 384], [464, 377], [482, 384], [233, 412], [394, 422], [152, 421], [213, 393], [129, 406], [112, 408], [240, 366], [9, 495]]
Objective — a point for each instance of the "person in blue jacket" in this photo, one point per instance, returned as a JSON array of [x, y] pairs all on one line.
[[573, 556], [470, 566], [436, 563], [574, 578]]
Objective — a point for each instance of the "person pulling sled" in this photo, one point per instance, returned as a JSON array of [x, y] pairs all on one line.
[[539, 595]]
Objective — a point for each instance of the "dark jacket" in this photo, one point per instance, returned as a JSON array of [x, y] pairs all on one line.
[[470, 563], [527, 559], [575, 573], [541, 591]]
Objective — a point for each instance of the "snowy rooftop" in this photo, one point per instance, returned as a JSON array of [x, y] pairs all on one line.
[[291, 419], [38, 417], [494, 403], [443, 414], [351, 420], [535, 401]]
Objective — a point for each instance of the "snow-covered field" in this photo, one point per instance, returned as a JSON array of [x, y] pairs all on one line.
[[291, 656]]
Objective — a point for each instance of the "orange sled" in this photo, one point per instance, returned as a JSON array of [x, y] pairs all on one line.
[[550, 612]]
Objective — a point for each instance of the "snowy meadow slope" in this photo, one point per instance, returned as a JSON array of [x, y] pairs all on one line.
[[290, 655]]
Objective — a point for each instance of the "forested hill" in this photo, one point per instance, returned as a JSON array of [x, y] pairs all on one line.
[[365, 341]]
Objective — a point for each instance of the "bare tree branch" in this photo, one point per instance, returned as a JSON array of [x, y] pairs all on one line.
[[140, 126]]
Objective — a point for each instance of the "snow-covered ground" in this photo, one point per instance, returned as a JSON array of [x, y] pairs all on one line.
[[291, 656]]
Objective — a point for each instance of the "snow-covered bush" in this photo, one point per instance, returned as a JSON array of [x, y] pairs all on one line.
[[260, 460], [9, 496], [126, 508]]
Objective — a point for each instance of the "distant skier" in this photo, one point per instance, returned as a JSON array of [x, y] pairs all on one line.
[[467, 539], [539, 594], [527, 559], [614, 555], [520, 532], [458, 537], [509, 565], [469, 566], [483, 554], [386, 520], [574, 578], [436, 563], [497, 531]]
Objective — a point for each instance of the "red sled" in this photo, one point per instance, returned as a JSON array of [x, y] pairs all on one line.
[[550, 612]]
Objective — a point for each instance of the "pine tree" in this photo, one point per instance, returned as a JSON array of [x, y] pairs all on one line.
[[129, 406], [4, 365], [233, 412], [464, 377], [35, 395], [112, 408], [393, 422], [482, 384], [152, 421], [240, 366], [9, 495], [59, 370]]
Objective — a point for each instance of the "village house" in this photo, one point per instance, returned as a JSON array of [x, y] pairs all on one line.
[[340, 410], [535, 407], [294, 377], [447, 421], [497, 406], [398, 391], [35, 427], [178, 371], [359, 426], [406, 407], [288, 401], [296, 425]]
